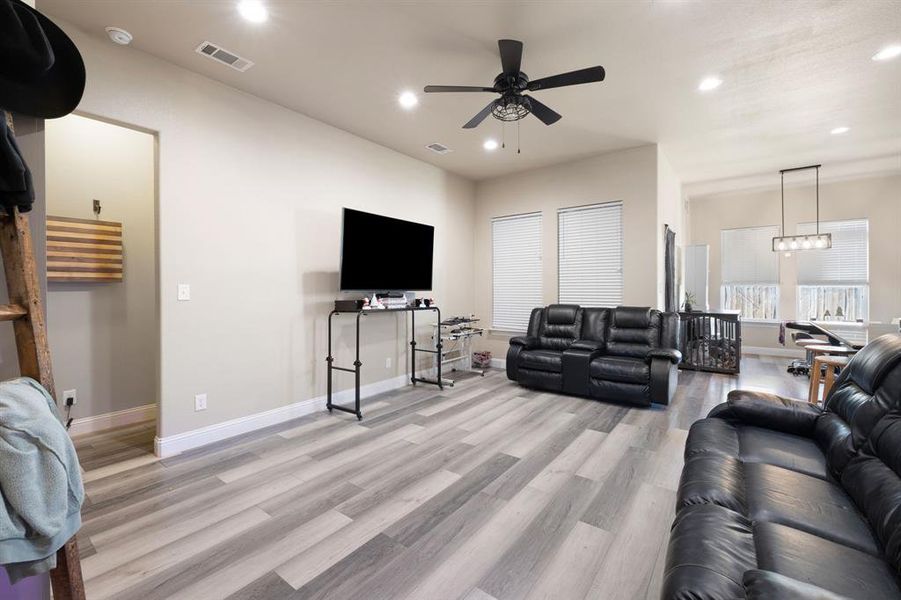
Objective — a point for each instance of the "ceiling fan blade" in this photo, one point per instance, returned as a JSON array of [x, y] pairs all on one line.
[[474, 122], [511, 55], [546, 115], [455, 88], [589, 75]]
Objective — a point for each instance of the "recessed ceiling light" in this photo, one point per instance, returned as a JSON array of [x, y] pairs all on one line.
[[710, 83], [490, 145], [253, 11], [408, 100], [840, 130], [888, 52]]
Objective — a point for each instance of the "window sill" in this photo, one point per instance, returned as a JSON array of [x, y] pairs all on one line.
[[766, 322], [849, 324], [506, 332]]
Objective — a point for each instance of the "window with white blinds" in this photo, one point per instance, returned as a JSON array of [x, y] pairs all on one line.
[[833, 283], [515, 270], [750, 272], [747, 255], [846, 263], [590, 254]]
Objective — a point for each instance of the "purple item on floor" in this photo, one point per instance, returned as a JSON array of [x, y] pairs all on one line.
[[30, 588]]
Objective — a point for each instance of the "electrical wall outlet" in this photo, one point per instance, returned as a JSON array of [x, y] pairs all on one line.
[[70, 397], [184, 292], [199, 402], [388, 363]]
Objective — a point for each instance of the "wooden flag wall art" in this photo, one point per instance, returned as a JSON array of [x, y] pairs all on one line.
[[83, 250]]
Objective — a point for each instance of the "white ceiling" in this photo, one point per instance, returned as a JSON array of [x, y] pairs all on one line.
[[792, 71]]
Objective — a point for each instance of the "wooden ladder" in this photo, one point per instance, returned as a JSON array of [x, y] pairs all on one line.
[[26, 311]]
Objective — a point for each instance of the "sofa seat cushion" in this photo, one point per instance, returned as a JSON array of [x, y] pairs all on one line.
[[782, 450], [831, 566], [626, 370], [541, 360], [756, 445], [710, 549], [813, 505]]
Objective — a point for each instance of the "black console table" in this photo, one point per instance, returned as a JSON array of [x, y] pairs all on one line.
[[357, 364]]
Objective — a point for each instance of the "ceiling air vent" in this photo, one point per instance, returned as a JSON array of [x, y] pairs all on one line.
[[223, 56], [439, 148]]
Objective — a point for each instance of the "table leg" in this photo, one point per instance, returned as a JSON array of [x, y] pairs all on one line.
[[814, 394], [830, 380]]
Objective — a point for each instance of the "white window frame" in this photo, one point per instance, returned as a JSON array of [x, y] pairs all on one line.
[[516, 270], [590, 274], [754, 284]]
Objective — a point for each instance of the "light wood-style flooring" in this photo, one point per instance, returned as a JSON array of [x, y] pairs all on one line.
[[483, 491]]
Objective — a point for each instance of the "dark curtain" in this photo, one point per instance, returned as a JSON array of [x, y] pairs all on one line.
[[669, 265]]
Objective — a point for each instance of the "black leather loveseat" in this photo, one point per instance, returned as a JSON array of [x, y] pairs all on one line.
[[780, 499], [623, 354]]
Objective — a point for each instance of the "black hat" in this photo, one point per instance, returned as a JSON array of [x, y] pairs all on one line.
[[41, 71]]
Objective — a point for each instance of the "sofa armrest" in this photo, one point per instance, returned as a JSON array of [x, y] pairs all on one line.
[[526, 341], [670, 354], [587, 346], [770, 411], [767, 585]]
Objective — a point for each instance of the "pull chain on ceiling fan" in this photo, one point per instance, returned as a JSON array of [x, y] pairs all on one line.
[[513, 104]]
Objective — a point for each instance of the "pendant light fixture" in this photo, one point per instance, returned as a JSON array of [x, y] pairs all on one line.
[[795, 243]]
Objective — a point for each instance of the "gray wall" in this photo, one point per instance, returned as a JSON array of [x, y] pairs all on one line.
[[30, 137], [105, 336], [250, 198]]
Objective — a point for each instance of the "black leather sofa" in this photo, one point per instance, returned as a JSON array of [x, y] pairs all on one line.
[[623, 354], [781, 499]]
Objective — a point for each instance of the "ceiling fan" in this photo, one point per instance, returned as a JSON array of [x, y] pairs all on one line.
[[513, 104]]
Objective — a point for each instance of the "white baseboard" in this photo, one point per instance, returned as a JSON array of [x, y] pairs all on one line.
[[119, 418], [498, 363], [767, 351], [178, 443]]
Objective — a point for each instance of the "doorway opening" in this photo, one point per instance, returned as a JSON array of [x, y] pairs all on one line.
[[102, 284]]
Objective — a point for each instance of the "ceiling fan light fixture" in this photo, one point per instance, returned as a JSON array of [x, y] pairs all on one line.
[[511, 108], [840, 130], [490, 145], [511, 84]]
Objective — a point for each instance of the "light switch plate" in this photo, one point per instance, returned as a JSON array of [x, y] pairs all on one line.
[[184, 292]]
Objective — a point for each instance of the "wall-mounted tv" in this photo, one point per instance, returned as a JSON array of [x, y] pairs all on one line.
[[381, 253]]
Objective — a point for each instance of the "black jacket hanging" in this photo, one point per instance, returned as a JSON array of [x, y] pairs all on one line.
[[16, 188]]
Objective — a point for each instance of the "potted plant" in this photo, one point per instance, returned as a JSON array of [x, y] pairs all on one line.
[[689, 301]]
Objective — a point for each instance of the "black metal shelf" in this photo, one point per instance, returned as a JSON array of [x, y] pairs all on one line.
[[358, 364]]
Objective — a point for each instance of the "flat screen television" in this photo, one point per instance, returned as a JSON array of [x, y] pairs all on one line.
[[382, 254]]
